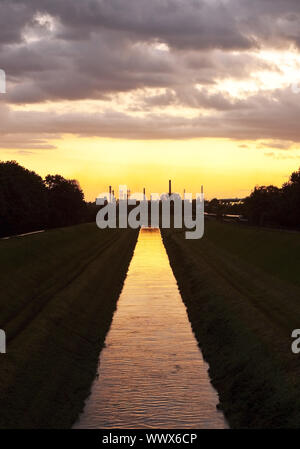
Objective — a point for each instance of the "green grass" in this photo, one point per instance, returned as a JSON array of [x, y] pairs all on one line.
[[58, 294], [274, 251], [241, 289]]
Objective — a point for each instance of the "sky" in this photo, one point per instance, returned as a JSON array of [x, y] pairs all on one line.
[[136, 92]]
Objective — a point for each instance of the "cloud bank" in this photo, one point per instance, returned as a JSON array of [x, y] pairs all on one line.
[[159, 69]]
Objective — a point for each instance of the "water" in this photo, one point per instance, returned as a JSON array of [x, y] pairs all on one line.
[[151, 372]]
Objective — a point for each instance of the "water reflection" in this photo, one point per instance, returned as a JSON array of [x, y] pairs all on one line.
[[151, 372]]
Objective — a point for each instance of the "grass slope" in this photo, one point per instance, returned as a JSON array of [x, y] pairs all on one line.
[[58, 294], [241, 289]]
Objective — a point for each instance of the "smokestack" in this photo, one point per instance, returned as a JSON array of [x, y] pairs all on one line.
[[170, 187], [144, 193], [109, 194]]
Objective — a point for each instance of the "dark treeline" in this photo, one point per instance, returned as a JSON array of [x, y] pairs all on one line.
[[30, 203], [273, 205], [266, 205], [221, 207]]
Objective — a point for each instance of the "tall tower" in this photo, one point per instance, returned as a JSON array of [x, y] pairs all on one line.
[[170, 187]]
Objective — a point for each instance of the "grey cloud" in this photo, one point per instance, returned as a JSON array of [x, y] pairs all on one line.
[[234, 24], [102, 47], [96, 69], [191, 97], [272, 117], [279, 145], [99, 48], [24, 142], [198, 24], [14, 16]]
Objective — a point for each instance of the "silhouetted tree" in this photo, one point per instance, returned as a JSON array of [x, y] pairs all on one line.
[[291, 200], [264, 205], [275, 206], [215, 207], [23, 200], [90, 211], [65, 201]]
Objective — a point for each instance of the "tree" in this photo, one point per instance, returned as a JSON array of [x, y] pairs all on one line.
[[215, 207], [65, 201], [264, 205], [23, 200], [291, 196]]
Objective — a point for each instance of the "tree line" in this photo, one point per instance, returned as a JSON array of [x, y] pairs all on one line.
[[30, 203], [266, 205]]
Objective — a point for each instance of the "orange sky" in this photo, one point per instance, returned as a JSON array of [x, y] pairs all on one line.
[[226, 168]]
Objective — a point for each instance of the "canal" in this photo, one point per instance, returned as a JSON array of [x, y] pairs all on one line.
[[151, 372]]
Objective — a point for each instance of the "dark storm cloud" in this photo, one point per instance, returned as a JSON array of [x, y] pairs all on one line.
[[14, 16], [229, 24], [180, 23], [192, 24]]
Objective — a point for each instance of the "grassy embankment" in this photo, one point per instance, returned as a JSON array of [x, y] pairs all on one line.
[[241, 286], [58, 294]]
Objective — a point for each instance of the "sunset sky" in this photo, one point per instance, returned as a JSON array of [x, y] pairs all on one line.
[[139, 91]]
